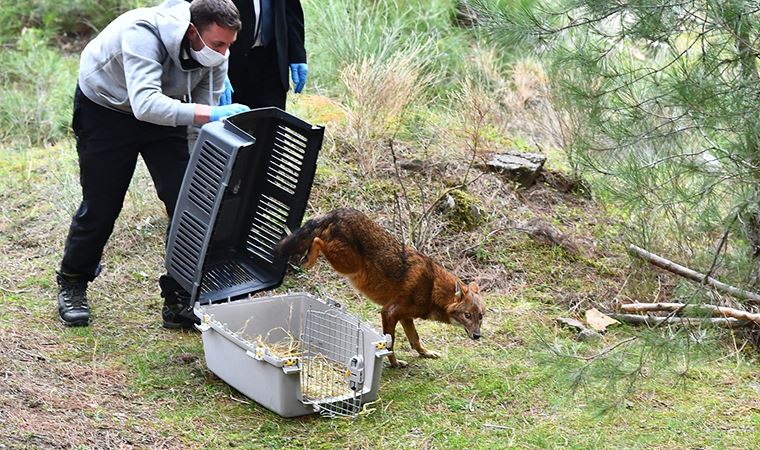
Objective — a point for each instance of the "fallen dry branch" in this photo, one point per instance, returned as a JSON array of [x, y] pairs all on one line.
[[722, 322], [692, 275], [692, 310]]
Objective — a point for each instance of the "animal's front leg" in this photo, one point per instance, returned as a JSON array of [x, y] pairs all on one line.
[[389, 327], [414, 339]]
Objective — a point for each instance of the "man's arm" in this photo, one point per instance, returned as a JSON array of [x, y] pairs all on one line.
[[143, 55], [296, 39], [202, 114]]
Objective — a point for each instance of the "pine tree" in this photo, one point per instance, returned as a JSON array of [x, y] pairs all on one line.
[[664, 100]]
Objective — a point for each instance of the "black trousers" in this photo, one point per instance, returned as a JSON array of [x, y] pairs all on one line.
[[108, 144], [256, 78]]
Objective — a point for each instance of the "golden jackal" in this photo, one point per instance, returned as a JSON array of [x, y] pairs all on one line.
[[406, 283]]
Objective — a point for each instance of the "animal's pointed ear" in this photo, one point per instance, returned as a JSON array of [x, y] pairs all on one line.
[[457, 292], [474, 287]]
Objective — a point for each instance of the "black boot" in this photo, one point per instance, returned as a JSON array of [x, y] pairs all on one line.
[[177, 311], [72, 301]]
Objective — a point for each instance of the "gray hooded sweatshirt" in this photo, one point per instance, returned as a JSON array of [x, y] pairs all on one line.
[[133, 66]]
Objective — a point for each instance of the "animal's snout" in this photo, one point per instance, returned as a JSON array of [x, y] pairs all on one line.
[[476, 336]]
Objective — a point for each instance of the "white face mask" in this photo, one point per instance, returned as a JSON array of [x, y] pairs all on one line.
[[206, 56]]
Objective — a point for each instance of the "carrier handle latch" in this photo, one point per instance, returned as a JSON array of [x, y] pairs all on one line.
[[288, 365], [355, 373]]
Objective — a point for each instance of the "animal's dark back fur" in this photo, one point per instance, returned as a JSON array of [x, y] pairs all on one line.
[[380, 248]]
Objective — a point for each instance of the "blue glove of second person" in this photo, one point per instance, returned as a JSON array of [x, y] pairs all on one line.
[[220, 112], [226, 97], [299, 71]]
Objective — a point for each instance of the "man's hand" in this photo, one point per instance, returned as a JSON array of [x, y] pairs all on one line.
[[220, 112], [299, 71], [226, 97]]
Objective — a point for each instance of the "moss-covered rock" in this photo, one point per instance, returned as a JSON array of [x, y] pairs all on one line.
[[462, 210]]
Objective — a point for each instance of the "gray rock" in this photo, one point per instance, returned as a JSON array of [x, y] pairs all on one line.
[[447, 204], [571, 323], [521, 167], [588, 335]]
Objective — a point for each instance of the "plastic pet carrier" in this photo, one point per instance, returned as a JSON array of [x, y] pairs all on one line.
[[248, 178], [294, 354]]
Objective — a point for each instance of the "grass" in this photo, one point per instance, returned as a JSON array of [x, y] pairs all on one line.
[[63, 22], [35, 110], [126, 381]]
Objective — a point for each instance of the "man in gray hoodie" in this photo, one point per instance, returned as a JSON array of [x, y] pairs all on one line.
[[146, 77]]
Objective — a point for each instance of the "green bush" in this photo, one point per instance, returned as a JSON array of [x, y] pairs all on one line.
[[38, 85], [60, 18], [341, 33]]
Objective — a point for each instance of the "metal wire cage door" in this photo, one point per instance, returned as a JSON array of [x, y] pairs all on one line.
[[332, 374]]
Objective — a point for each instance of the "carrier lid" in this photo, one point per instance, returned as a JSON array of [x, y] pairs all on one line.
[[248, 180]]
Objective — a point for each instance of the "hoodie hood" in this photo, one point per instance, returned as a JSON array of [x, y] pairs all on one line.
[[172, 19]]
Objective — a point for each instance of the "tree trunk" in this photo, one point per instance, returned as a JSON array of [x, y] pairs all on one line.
[[749, 74]]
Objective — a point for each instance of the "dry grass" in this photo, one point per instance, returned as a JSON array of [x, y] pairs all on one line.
[[52, 401], [520, 98], [378, 93], [289, 347]]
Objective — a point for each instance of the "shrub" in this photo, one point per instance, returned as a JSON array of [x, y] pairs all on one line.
[[35, 110], [65, 18], [378, 92]]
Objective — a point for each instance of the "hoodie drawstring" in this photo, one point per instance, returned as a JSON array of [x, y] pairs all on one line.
[[210, 88]]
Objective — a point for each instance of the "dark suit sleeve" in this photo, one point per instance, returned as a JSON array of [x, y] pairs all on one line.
[[296, 45]]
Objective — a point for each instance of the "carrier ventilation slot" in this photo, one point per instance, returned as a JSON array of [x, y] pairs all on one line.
[[207, 177], [225, 276], [268, 227], [288, 151], [187, 245]]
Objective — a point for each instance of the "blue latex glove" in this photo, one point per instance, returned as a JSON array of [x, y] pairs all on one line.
[[299, 71], [226, 97], [220, 112]]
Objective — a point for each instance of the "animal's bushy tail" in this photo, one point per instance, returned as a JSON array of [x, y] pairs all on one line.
[[295, 245]]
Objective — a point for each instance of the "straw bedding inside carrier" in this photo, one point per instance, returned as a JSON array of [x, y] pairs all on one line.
[[286, 348], [321, 377]]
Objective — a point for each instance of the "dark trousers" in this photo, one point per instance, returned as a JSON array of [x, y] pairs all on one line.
[[108, 143], [256, 78]]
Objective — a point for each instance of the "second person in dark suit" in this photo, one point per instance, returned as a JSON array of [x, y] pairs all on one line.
[[269, 45]]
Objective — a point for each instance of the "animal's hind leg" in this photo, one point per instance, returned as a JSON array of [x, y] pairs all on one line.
[[389, 327], [414, 339], [316, 246]]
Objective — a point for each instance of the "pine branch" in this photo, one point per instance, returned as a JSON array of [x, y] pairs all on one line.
[[698, 310], [692, 275], [721, 322]]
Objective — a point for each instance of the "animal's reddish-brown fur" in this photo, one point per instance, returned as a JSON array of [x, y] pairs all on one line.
[[406, 283]]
